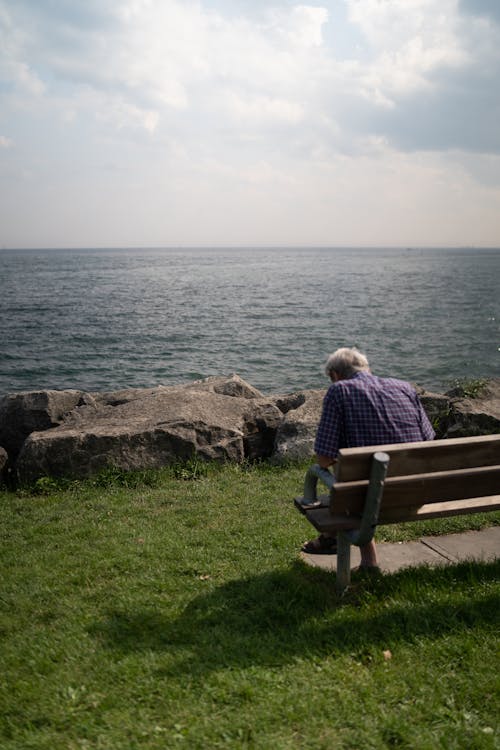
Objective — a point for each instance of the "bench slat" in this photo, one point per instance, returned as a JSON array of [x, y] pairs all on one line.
[[419, 489], [441, 510], [421, 458], [324, 521]]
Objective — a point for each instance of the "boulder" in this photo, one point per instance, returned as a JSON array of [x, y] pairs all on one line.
[[149, 428], [437, 408], [297, 431], [288, 401], [26, 412], [231, 385], [474, 415], [464, 411]]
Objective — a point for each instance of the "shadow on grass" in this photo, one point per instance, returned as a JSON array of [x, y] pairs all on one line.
[[273, 618]]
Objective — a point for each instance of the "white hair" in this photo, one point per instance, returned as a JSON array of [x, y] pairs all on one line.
[[345, 362]]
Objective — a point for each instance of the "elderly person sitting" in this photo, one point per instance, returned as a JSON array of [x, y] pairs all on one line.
[[362, 409]]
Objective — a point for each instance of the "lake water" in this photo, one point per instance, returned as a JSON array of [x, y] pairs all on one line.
[[107, 319]]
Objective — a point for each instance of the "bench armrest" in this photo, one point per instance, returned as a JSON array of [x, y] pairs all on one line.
[[314, 473]]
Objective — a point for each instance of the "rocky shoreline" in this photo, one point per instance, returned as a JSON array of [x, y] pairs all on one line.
[[76, 434]]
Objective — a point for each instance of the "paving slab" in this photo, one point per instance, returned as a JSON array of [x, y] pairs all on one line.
[[481, 545], [393, 557], [472, 545]]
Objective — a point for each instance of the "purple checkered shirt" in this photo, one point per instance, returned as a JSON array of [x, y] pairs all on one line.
[[367, 410]]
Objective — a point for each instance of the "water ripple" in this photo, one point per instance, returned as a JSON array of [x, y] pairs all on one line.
[[99, 320]]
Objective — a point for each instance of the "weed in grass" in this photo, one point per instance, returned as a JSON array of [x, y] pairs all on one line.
[[192, 469]]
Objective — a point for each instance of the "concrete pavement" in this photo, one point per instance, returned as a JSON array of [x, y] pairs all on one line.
[[430, 550]]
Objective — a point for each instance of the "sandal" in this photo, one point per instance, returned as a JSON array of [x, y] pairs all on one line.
[[323, 545]]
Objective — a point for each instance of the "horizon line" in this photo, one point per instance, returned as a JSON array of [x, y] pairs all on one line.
[[214, 246]]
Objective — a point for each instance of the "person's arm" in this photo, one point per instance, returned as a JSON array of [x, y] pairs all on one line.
[[326, 445], [325, 461]]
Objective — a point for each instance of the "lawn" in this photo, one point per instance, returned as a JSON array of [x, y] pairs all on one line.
[[171, 610]]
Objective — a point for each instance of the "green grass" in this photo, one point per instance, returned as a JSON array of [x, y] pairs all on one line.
[[156, 611]]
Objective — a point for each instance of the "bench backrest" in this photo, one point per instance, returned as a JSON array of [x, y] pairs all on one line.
[[437, 471], [420, 458]]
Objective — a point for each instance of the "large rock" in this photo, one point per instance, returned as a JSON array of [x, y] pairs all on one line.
[[149, 428], [23, 413], [477, 415], [464, 410], [437, 407], [231, 385], [297, 431]]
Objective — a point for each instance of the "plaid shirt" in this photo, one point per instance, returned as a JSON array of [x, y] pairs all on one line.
[[367, 410]]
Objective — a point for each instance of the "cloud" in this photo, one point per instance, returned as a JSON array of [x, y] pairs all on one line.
[[431, 78], [156, 63], [122, 114], [164, 56], [5, 142], [409, 40], [13, 69], [216, 100], [302, 26]]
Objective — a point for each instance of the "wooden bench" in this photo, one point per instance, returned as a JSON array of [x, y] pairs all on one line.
[[397, 483]]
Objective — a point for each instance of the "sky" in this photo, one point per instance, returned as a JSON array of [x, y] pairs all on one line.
[[149, 123]]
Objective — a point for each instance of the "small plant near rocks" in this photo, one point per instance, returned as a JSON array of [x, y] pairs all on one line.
[[193, 468], [467, 387], [441, 422], [46, 486]]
